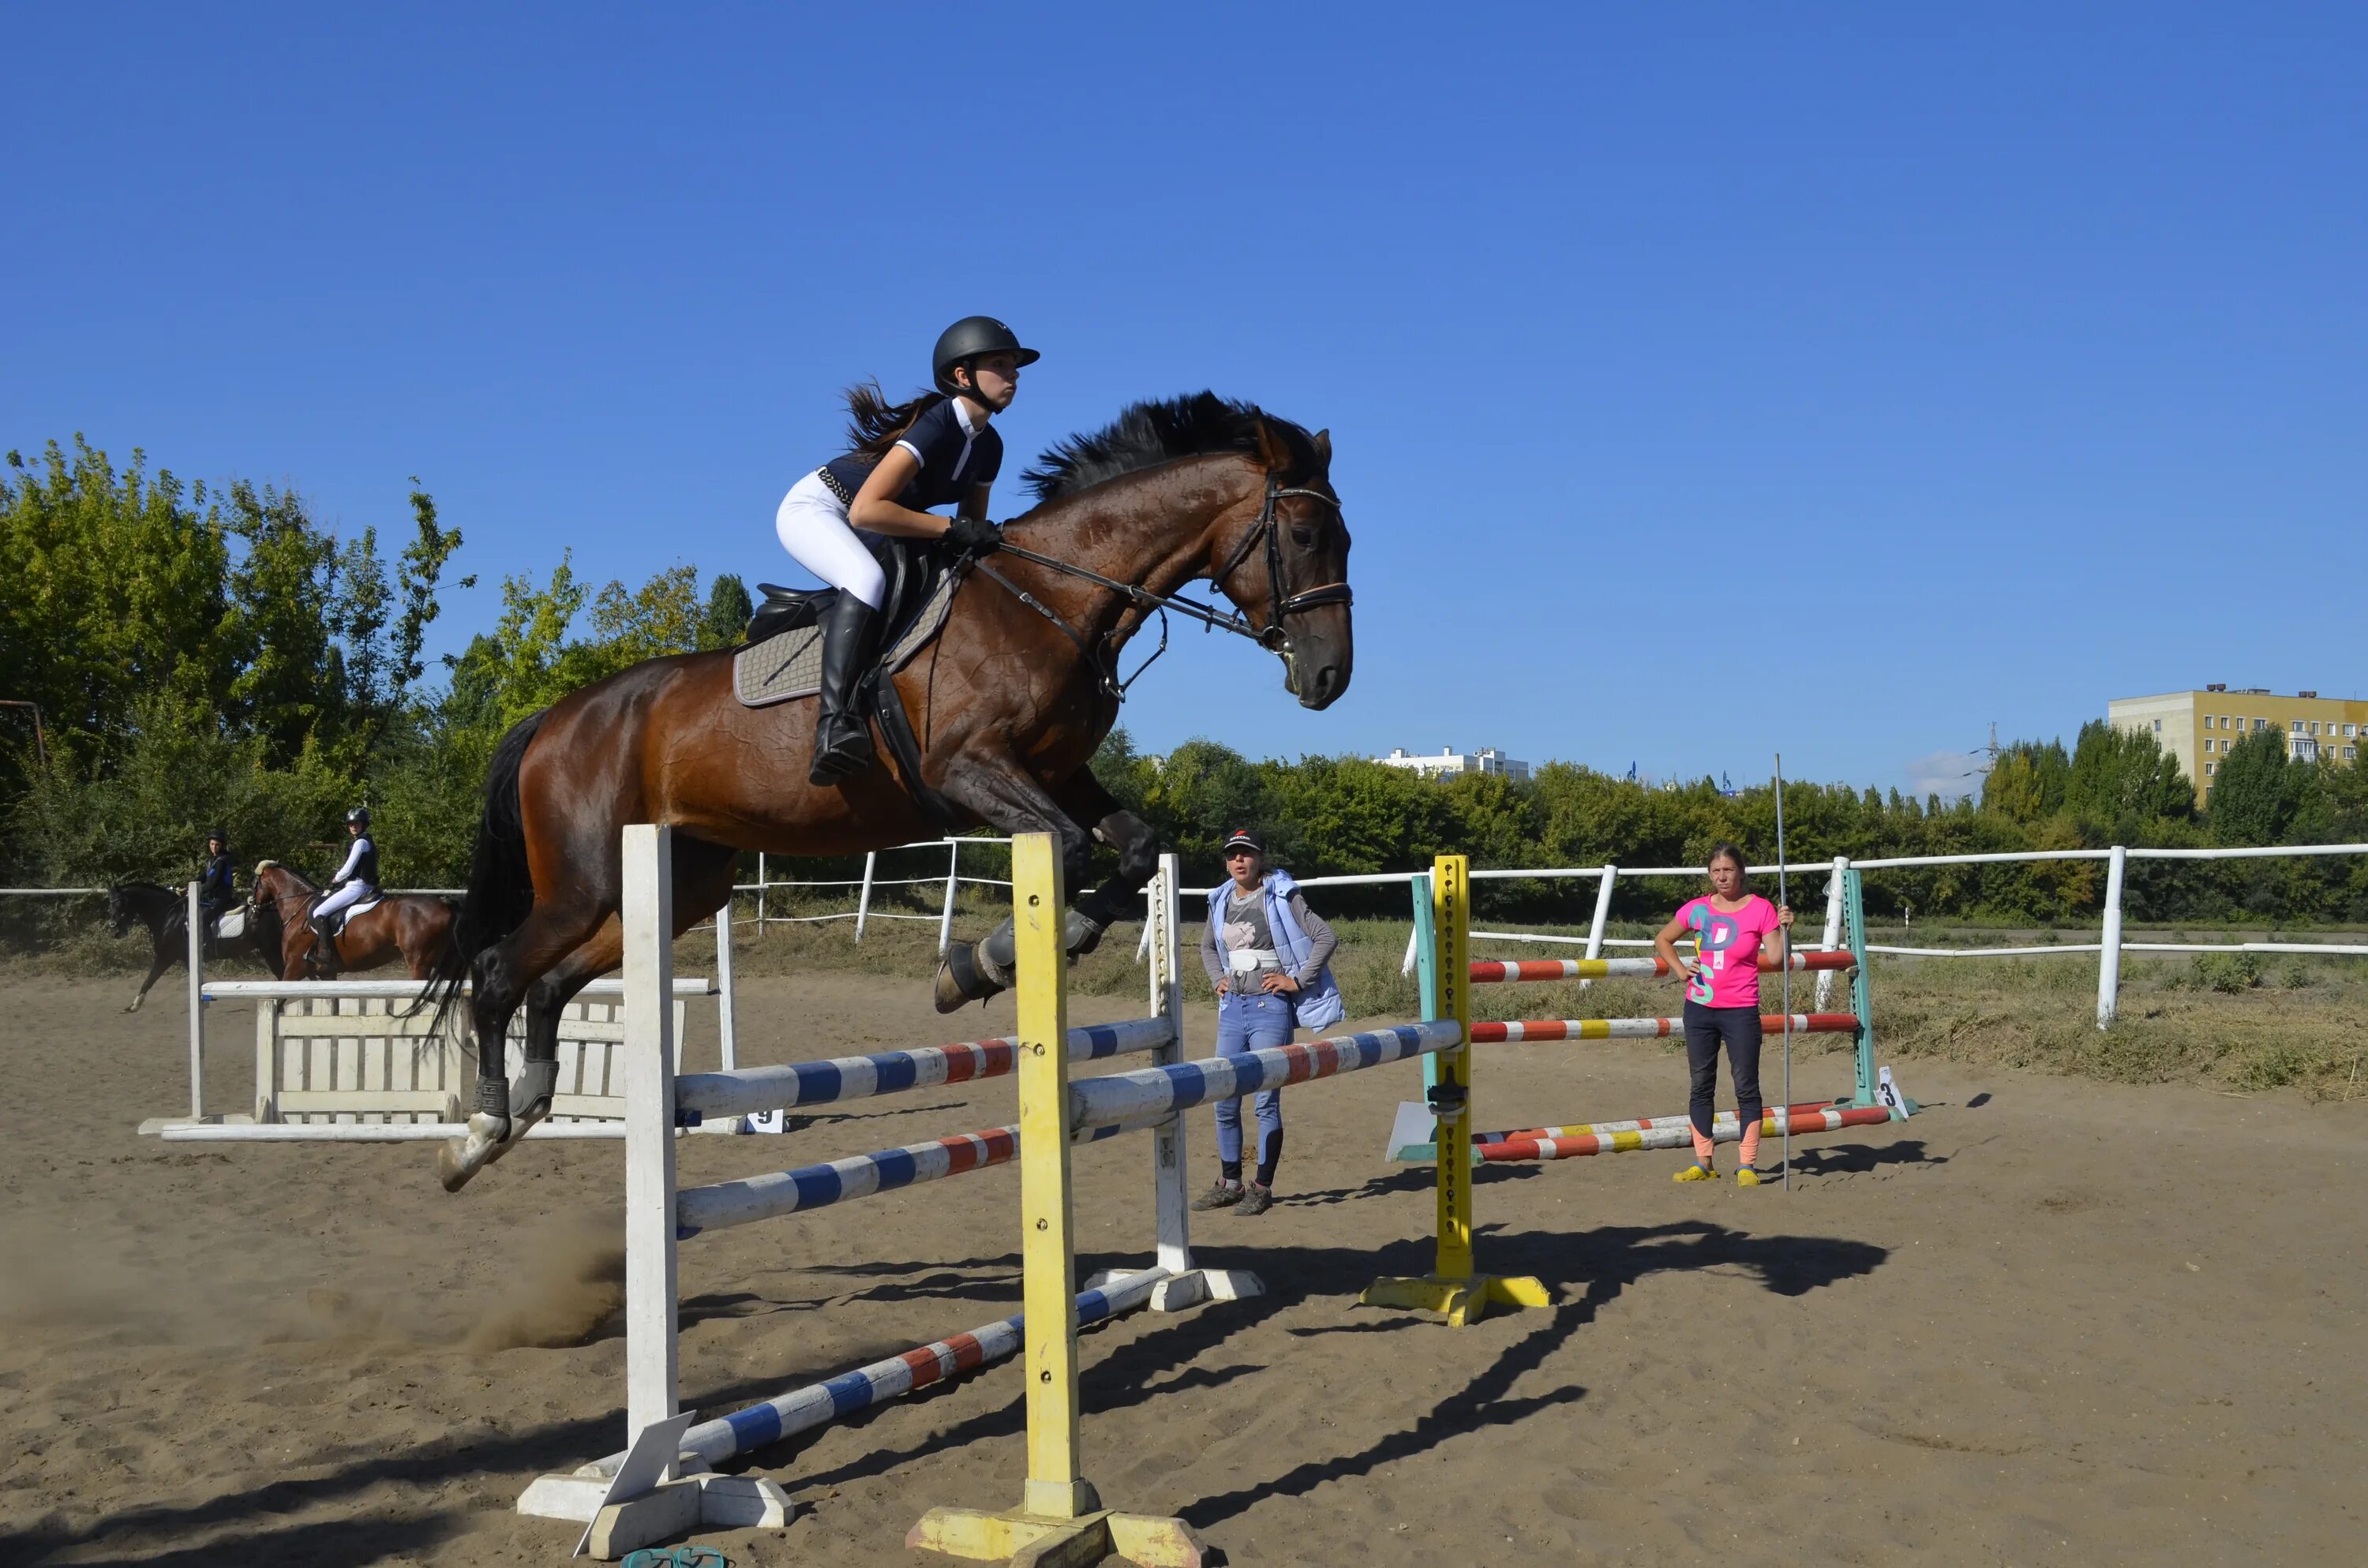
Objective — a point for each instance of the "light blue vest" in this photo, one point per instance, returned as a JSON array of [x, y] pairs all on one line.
[[1317, 1004]]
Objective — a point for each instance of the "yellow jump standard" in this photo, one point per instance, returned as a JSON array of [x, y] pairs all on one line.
[[1451, 1287], [1060, 1522]]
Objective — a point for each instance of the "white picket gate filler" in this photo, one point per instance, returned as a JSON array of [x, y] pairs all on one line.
[[338, 1060], [624, 1510]]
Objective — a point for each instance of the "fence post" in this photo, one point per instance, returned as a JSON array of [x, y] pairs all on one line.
[[953, 879], [2108, 962], [197, 1006], [863, 899], [1833, 929], [651, 1362], [727, 1043], [1602, 915], [760, 892]]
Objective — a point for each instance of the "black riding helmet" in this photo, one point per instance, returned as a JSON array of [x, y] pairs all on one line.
[[359, 817], [970, 339]]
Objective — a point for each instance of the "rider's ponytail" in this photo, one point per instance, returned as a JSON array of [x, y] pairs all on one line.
[[873, 423]]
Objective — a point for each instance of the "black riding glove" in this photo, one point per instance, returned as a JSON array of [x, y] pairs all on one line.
[[973, 536]]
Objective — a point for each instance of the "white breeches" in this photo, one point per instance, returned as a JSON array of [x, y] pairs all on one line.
[[813, 529], [344, 898]]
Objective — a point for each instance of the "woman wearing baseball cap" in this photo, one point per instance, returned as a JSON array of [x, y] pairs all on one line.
[[1269, 955]]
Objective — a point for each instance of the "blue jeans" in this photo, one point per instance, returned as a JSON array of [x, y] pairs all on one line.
[[1252, 1021]]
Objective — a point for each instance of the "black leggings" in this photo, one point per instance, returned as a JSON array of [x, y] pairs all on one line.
[[1739, 1027]]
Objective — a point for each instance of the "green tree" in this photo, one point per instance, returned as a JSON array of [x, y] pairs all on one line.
[[2251, 799], [2028, 781], [116, 591], [2121, 778], [728, 609]]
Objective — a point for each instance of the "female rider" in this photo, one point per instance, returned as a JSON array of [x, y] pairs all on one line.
[[907, 458], [356, 882], [1723, 1001]]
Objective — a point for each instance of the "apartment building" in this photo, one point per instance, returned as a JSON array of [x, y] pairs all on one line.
[[2199, 727], [1448, 762]]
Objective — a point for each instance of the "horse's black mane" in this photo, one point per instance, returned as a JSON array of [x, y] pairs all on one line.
[[1160, 430]]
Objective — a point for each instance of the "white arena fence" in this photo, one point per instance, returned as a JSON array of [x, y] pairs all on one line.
[[863, 913], [2108, 945]]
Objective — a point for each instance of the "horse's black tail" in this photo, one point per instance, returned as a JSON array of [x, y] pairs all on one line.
[[501, 887]]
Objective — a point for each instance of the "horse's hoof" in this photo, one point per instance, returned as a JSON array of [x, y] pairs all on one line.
[[460, 1158], [965, 976]]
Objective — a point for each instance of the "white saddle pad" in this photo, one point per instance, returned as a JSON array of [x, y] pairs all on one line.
[[232, 926]]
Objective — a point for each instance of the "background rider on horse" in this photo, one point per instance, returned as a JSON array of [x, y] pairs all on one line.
[[217, 880], [356, 882]]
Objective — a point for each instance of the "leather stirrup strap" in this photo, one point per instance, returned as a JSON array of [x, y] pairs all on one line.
[[879, 691]]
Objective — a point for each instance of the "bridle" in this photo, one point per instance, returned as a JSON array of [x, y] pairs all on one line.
[[1281, 604]]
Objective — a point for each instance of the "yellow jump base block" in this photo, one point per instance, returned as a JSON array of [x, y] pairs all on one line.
[[1461, 1301], [1034, 1540]]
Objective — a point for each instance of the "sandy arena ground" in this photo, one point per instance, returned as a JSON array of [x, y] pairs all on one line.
[[2047, 1323]]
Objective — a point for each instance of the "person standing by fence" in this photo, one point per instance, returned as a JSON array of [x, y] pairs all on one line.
[[1729, 926], [1269, 955]]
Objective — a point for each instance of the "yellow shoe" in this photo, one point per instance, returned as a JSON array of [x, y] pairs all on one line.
[[1747, 1176], [1696, 1172]]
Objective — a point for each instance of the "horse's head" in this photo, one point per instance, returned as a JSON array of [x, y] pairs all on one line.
[[120, 913], [1286, 566]]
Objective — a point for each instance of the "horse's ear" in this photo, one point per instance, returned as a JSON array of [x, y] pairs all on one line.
[[1273, 448], [1324, 449]]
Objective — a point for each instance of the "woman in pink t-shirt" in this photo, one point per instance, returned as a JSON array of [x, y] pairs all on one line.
[[1732, 931]]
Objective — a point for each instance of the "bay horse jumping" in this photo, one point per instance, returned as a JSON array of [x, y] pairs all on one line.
[[414, 928], [165, 912], [1007, 705]]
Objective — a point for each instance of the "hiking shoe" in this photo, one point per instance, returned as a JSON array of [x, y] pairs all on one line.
[[1256, 1199], [1221, 1194]]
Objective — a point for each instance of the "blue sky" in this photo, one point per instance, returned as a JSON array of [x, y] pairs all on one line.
[[1705, 380]]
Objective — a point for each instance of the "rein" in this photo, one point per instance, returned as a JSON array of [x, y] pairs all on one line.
[[1281, 604]]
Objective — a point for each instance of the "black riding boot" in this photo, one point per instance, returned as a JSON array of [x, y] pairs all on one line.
[[842, 740], [325, 948]]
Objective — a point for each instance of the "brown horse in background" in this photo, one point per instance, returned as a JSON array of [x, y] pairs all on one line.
[[415, 927], [1007, 704]]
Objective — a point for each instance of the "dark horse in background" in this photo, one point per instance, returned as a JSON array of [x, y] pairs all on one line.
[[165, 912], [414, 928], [1007, 704]]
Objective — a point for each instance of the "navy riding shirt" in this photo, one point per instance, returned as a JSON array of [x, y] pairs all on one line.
[[955, 456]]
